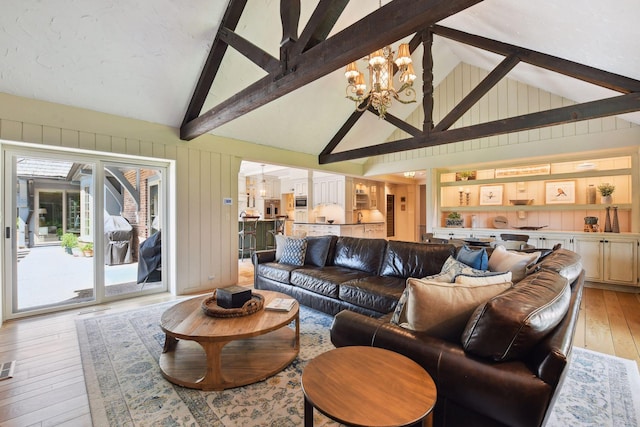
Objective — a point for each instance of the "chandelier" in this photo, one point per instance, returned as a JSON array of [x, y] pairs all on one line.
[[410, 174], [381, 71]]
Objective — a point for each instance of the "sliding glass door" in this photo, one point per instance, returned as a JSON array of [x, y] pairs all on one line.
[[83, 230]]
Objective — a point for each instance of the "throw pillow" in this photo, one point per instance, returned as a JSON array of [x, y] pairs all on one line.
[[464, 279], [477, 258], [452, 268], [317, 250], [443, 309], [516, 263], [280, 242], [294, 251]]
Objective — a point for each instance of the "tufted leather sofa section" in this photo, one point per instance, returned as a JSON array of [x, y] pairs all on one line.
[[362, 275], [536, 321]]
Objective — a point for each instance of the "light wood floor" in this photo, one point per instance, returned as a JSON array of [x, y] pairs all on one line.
[[48, 387]]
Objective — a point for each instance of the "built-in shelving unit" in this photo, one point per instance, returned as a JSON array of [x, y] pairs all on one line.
[[488, 192]]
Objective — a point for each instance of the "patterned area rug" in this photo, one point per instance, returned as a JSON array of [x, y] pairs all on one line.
[[120, 355]]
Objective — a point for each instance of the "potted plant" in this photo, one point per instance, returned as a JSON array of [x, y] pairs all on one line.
[[465, 175], [87, 249], [606, 190], [454, 220], [69, 241]]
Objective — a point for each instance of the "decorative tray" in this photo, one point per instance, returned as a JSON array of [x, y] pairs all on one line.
[[211, 308]]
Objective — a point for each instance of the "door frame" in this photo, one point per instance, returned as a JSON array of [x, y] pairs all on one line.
[[8, 250]]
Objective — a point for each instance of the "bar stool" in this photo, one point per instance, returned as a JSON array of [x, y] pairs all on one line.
[[278, 228], [247, 236]]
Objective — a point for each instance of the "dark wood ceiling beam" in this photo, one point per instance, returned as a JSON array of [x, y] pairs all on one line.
[[320, 24], [427, 80], [214, 59], [583, 72], [478, 92], [399, 123], [252, 52], [589, 110], [290, 17], [344, 129], [392, 22]]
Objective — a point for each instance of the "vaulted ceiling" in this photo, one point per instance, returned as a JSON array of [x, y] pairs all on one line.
[[142, 59]]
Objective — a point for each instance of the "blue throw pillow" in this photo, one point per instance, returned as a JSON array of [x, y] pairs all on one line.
[[477, 259]]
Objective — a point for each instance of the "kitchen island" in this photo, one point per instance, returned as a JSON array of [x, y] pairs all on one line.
[[371, 230]]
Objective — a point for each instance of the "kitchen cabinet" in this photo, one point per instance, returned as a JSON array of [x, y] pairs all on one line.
[[609, 258], [301, 215], [301, 187], [549, 241], [329, 191], [375, 231]]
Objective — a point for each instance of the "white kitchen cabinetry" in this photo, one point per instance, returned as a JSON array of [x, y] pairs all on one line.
[[329, 191], [300, 187], [301, 215], [375, 231], [609, 258], [549, 241]]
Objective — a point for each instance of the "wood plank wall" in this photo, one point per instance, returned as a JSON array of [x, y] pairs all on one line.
[[204, 239]]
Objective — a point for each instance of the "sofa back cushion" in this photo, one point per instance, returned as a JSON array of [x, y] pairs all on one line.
[[359, 254], [410, 259], [564, 262], [509, 325], [318, 249]]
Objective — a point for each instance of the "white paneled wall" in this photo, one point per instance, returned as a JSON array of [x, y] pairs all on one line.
[[205, 230], [507, 99]]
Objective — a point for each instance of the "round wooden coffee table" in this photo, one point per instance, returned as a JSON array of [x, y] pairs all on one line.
[[215, 353], [368, 386]]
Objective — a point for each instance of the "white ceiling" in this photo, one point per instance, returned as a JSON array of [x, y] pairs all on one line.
[[142, 59]]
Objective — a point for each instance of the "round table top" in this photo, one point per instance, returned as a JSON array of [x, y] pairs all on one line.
[[186, 320], [368, 386]]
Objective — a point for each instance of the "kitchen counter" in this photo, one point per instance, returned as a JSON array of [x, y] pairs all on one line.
[[371, 230]]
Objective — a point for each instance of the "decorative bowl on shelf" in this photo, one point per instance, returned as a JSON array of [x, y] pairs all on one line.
[[521, 202], [330, 221]]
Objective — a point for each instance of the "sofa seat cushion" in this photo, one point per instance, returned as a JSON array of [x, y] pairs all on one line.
[[324, 281], [276, 271], [376, 293], [508, 325], [410, 259]]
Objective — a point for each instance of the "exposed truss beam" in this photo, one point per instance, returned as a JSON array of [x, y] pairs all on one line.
[[212, 65], [478, 92], [320, 24], [593, 75], [589, 110], [387, 24], [248, 49]]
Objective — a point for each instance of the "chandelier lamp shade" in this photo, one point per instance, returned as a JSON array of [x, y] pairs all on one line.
[[381, 68], [410, 174]]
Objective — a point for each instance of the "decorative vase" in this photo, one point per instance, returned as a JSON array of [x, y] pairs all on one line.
[[606, 200], [616, 226], [607, 221], [591, 195]]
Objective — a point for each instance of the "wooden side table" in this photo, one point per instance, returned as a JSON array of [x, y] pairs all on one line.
[[368, 386]]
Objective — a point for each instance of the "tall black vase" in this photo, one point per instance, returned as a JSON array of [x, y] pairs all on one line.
[[616, 226], [607, 221]]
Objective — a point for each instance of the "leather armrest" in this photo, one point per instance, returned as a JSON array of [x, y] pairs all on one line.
[[351, 328], [260, 257]]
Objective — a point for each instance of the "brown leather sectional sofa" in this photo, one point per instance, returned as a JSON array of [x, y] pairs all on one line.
[[511, 359]]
